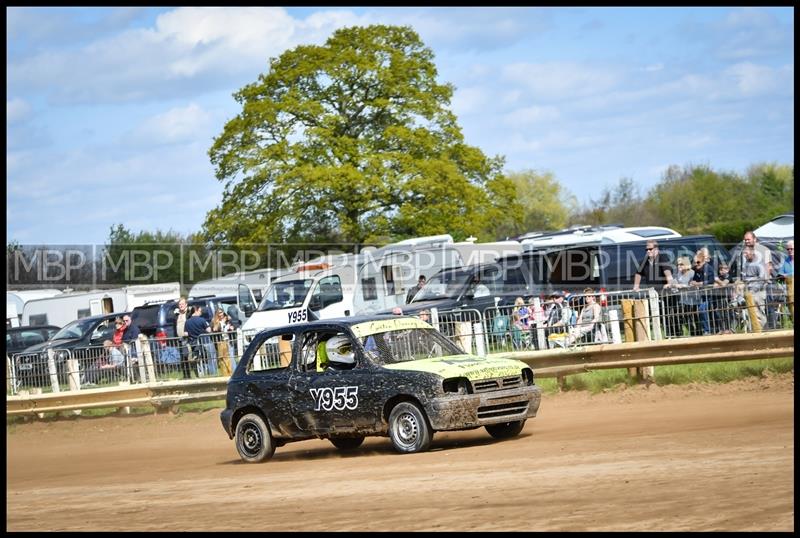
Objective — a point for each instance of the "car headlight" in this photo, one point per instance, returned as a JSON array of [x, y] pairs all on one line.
[[527, 376], [457, 385]]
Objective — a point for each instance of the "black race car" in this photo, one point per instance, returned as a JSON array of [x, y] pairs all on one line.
[[347, 378]]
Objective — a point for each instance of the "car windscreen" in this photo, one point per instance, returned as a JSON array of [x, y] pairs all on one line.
[[77, 329], [444, 285], [286, 294], [404, 345]]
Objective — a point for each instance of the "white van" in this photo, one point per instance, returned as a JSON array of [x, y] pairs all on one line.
[[320, 288], [352, 284], [62, 309]]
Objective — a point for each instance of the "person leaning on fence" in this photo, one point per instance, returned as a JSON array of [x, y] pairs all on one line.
[[588, 319], [181, 317], [682, 310], [702, 281], [221, 342], [655, 270], [198, 330], [425, 315]]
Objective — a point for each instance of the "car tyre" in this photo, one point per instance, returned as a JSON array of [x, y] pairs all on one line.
[[505, 430], [409, 429], [253, 439], [347, 443]]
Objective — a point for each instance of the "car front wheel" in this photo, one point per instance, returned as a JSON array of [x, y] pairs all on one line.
[[504, 430], [253, 439], [409, 429]]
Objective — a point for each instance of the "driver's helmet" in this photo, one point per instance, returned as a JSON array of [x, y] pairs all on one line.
[[340, 349]]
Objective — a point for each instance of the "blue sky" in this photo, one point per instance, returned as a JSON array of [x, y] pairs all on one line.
[[110, 112]]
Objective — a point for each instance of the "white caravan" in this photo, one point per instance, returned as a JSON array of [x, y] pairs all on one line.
[[67, 307], [15, 302], [388, 273]]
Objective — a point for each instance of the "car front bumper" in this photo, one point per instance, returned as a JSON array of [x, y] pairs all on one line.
[[461, 411]]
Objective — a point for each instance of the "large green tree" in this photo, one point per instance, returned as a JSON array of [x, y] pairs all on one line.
[[352, 141]]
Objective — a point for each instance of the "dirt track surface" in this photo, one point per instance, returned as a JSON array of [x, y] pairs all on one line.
[[702, 457]]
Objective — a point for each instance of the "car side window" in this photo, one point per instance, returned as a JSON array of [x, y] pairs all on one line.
[[274, 353], [326, 350]]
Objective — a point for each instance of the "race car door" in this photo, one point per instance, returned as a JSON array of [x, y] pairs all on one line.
[[325, 392]]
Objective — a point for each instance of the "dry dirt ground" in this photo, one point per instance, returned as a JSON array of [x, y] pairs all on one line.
[[702, 457]]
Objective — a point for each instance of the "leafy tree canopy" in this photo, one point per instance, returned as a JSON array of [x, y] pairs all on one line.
[[352, 141]]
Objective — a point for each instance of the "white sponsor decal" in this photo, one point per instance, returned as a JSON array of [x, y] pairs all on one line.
[[338, 398]]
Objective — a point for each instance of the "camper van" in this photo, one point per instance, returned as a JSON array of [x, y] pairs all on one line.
[[15, 303], [588, 234], [62, 309]]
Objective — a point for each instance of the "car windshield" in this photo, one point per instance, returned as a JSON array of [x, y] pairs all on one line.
[[286, 294], [77, 329], [404, 345], [444, 285]]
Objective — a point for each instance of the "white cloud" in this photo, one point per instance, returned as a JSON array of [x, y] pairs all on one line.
[[751, 79], [17, 110], [561, 80], [530, 115], [186, 52], [177, 125], [469, 100]]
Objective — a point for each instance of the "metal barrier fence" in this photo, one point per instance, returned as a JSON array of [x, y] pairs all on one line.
[[584, 320], [144, 360]]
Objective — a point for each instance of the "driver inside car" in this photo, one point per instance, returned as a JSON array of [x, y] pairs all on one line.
[[339, 351]]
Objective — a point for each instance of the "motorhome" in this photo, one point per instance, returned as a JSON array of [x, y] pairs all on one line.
[[62, 309], [588, 234], [473, 253], [15, 303]]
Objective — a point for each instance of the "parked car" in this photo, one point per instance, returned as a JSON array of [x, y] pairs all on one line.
[[347, 378], [31, 364], [19, 338], [158, 319]]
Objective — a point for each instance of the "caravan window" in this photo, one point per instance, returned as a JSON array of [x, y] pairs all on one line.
[[38, 319], [388, 277], [370, 289]]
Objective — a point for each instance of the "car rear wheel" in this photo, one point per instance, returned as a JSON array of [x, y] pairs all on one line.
[[253, 439], [347, 443], [504, 430], [409, 429]]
